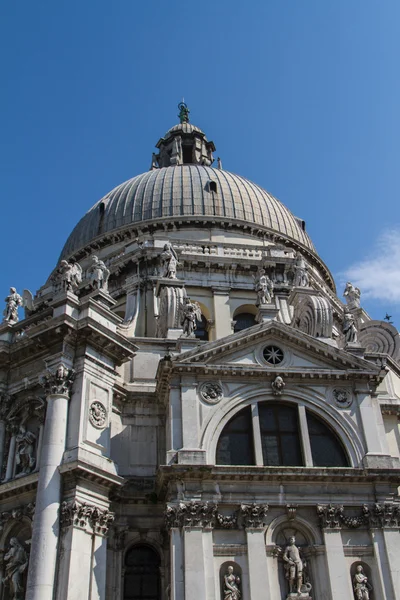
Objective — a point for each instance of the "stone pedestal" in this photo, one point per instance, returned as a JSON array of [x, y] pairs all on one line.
[[355, 349], [266, 312]]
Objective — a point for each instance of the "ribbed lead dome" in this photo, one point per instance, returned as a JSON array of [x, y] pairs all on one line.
[[189, 191]]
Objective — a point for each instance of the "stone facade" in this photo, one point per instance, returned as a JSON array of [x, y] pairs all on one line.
[[189, 411]]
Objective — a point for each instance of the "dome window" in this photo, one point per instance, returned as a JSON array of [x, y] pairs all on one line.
[[212, 186]]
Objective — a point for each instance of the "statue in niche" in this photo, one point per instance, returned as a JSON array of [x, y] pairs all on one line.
[[352, 295], [16, 562], [99, 274], [69, 275], [25, 459], [13, 301], [349, 328], [169, 261], [293, 567], [301, 278], [191, 313], [360, 584], [264, 288], [231, 585]]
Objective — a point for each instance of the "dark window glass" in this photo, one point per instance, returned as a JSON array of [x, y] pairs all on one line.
[[326, 448], [213, 186], [235, 446], [244, 321], [142, 574], [187, 154], [201, 332], [280, 435]]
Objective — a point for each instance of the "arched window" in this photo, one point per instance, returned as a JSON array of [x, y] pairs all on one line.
[[244, 321], [142, 574], [235, 446], [201, 332], [283, 435]]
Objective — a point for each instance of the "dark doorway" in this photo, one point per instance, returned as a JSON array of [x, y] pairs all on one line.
[[142, 574]]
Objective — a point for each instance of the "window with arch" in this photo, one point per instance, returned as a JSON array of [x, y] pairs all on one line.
[[142, 574], [244, 321], [279, 434]]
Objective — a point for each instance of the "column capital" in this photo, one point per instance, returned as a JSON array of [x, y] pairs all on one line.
[[191, 514], [253, 515], [58, 381], [86, 516]]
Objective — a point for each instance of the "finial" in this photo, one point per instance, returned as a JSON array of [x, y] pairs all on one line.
[[183, 112]]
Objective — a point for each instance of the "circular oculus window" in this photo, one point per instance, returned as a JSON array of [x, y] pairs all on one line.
[[273, 355]]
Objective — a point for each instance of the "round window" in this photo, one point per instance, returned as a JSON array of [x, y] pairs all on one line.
[[273, 355]]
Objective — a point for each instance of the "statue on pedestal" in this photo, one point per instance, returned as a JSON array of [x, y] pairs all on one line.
[[169, 261], [352, 295], [360, 585], [231, 585], [13, 300], [301, 278], [69, 276], [264, 288], [293, 567], [349, 328], [191, 313], [99, 274], [16, 562], [25, 458]]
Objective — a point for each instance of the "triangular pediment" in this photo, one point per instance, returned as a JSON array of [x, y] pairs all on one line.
[[246, 349]]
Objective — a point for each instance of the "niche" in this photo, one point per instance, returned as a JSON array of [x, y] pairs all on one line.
[[282, 541], [230, 577], [361, 587]]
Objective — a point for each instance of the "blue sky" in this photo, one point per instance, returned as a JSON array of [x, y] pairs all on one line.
[[300, 96]]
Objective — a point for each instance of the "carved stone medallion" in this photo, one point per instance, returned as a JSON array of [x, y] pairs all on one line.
[[211, 392], [342, 397], [98, 414]]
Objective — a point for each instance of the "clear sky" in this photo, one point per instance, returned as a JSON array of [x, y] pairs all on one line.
[[300, 96]]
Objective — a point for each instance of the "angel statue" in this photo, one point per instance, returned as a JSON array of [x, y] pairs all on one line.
[[169, 261], [69, 275], [231, 585], [99, 274], [352, 295], [13, 301], [16, 562], [264, 288], [191, 313]]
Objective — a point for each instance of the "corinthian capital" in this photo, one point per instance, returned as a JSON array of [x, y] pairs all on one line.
[[58, 381]]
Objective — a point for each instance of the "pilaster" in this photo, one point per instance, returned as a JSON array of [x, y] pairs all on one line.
[[222, 312]]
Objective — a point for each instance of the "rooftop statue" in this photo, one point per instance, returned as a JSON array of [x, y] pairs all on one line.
[[191, 313], [99, 274], [13, 301], [264, 288], [352, 295], [349, 328], [68, 275], [169, 261], [183, 112]]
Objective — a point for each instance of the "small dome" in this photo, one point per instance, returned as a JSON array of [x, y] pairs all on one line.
[[186, 191]]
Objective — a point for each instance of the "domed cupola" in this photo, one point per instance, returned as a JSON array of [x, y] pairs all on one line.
[[183, 144]]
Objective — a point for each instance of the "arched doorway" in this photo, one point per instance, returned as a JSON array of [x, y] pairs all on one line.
[[142, 574]]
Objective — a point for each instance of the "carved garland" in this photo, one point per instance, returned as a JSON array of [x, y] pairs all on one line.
[[84, 515], [206, 515]]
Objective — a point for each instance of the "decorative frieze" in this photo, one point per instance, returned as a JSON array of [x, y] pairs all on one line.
[[253, 515], [332, 516], [84, 515], [58, 382], [191, 514], [386, 514]]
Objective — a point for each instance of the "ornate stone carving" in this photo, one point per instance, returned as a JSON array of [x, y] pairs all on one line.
[[17, 514], [227, 521], [5, 404], [264, 288], [342, 397], [382, 515], [330, 515], [294, 571], [68, 276], [291, 510], [301, 278], [98, 414], [16, 563], [169, 261], [191, 514], [349, 328], [25, 451], [211, 392], [190, 314], [378, 336], [277, 386], [83, 515], [13, 301], [352, 295], [98, 274], [253, 515], [361, 586], [232, 585], [313, 315], [58, 381], [169, 317]]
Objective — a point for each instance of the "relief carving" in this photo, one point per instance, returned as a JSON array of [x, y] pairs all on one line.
[[277, 386], [98, 414], [83, 515], [191, 514], [211, 392], [253, 515], [16, 563]]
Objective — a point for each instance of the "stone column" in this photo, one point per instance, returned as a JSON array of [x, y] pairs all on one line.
[[177, 578], [43, 556], [253, 516], [222, 312], [11, 454]]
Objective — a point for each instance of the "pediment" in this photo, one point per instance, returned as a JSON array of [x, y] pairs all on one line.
[[301, 352]]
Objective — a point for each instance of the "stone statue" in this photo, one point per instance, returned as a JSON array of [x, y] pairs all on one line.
[[169, 261], [99, 274], [191, 313], [301, 278], [219, 163], [13, 300], [293, 567], [69, 276], [360, 585], [154, 162], [264, 288], [231, 585], [183, 112], [25, 458], [277, 386], [352, 295], [349, 328], [16, 562]]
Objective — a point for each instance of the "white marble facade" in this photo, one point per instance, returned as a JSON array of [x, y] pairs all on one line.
[[190, 411]]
